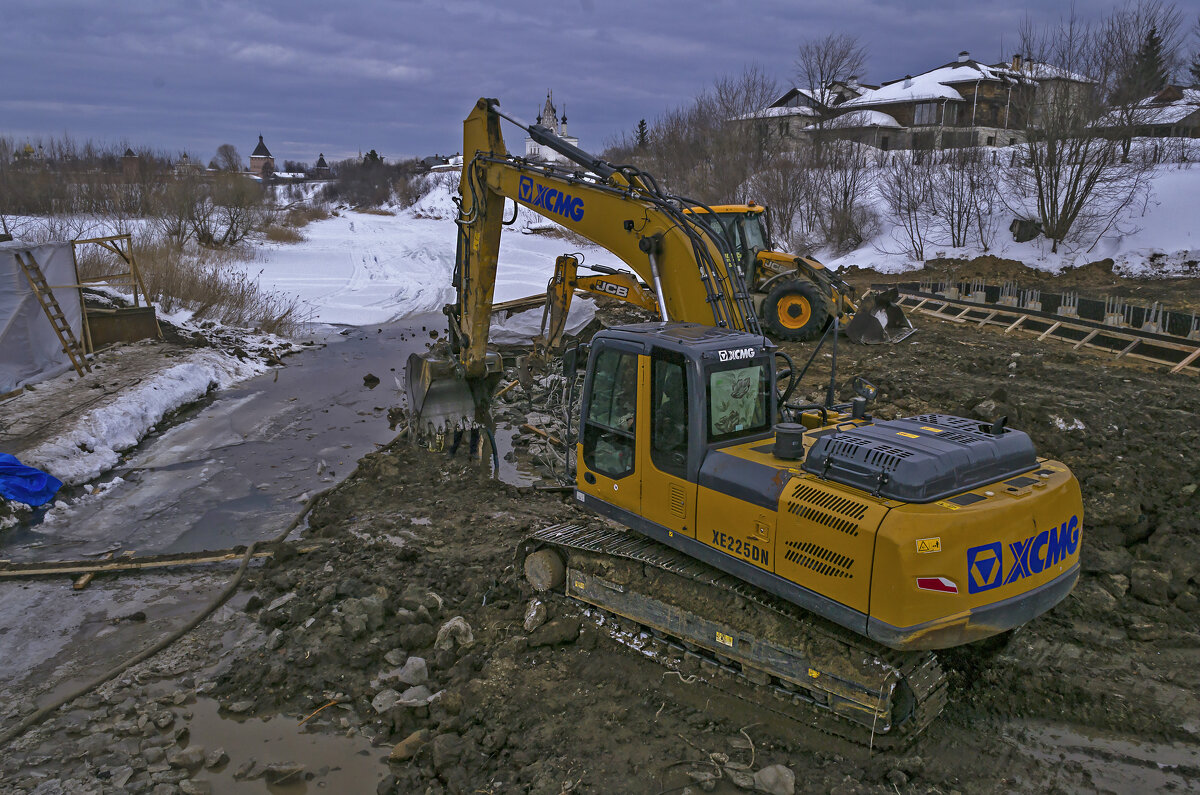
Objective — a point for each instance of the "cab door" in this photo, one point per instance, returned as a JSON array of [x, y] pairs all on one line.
[[609, 465], [668, 497]]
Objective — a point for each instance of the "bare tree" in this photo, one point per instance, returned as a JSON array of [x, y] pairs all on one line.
[[1070, 165], [906, 190], [844, 175], [822, 61], [784, 184], [228, 158], [707, 149]]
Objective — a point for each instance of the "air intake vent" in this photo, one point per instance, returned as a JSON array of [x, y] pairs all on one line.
[[830, 502], [822, 561], [677, 498]]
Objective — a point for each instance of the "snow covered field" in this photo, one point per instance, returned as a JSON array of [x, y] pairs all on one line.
[[359, 268]]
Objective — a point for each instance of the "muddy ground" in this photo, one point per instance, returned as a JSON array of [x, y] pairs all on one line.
[[403, 619]]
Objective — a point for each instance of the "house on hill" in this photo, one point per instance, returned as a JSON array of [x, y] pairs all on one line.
[[793, 112], [961, 103], [261, 162], [1174, 112], [958, 104]]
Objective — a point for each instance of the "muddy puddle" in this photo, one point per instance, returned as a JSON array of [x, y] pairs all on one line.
[[1119, 766], [331, 762]]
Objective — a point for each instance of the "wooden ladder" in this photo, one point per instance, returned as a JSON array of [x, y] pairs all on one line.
[[45, 297]]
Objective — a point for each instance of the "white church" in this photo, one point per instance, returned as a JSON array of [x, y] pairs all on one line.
[[548, 117]]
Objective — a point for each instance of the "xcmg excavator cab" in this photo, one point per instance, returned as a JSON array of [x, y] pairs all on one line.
[[920, 533]]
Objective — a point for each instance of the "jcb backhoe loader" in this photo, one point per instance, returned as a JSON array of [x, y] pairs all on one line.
[[811, 561]]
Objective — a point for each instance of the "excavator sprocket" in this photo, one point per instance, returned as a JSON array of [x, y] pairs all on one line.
[[697, 620]]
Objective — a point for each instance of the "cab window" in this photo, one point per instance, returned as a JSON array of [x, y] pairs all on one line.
[[668, 412], [738, 401], [608, 435]]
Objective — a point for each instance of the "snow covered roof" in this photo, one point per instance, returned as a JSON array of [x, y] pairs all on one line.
[[788, 99], [864, 118], [1045, 71], [776, 113], [1170, 106], [289, 175], [936, 84]]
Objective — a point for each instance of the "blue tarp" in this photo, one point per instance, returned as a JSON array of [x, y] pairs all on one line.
[[26, 484]]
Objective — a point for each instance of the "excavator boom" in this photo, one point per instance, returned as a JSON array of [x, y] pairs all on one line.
[[617, 207]]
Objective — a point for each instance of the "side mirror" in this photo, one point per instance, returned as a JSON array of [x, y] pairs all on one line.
[[864, 388]]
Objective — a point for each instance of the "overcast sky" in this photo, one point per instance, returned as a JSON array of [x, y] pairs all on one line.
[[398, 76]]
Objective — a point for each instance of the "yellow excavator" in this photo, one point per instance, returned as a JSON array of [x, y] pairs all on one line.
[[796, 297], [806, 557]]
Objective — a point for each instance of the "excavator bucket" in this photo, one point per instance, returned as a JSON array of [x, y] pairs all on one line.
[[879, 319], [438, 399]]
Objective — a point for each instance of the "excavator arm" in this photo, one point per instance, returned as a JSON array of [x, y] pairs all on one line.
[[683, 261]]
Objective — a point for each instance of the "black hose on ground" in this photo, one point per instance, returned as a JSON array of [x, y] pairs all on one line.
[[221, 598]]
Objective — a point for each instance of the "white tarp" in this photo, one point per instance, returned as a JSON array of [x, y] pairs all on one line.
[[28, 345]]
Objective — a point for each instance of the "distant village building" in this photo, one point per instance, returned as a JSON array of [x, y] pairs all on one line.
[[261, 162], [185, 167], [321, 169], [129, 164], [548, 117]]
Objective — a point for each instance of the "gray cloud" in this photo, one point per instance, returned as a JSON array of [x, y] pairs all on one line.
[[398, 76]]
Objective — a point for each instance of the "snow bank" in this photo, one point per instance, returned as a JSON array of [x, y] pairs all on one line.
[[92, 446], [1156, 238]]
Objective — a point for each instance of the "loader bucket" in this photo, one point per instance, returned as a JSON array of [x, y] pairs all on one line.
[[438, 399], [879, 319]]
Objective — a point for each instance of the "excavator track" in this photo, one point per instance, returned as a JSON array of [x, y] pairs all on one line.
[[822, 675]]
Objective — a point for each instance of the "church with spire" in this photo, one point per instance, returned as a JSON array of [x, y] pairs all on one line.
[[548, 117]]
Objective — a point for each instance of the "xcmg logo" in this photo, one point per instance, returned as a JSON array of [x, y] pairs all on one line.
[[551, 200], [736, 354], [985, 563]]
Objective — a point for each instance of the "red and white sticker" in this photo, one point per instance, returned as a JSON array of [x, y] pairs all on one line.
[[940, 584]]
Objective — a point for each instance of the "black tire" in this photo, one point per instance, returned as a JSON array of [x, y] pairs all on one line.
[[795, 310]]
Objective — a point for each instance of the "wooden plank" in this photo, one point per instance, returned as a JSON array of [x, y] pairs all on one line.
[[83, 581], [1129, 347], [1086, 339], [987, 319], [1049, 331], [540, 433], [1016, 323], [1191, 357], [43, 569]]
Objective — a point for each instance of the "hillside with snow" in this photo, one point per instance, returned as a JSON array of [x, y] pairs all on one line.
[[361, 268], [1156, 236]]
